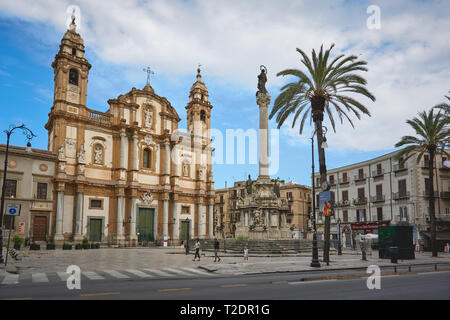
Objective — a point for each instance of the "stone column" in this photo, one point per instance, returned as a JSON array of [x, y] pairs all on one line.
[[167, 164], [263, 101], [135, 153], [201, 221], [133, 218], [120, 214], [165, 218], [211, 221], [123, 137], [59, 215], [79, 217], [176, 224]]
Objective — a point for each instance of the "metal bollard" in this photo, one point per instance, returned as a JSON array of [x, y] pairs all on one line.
[[409, 268], [395, 269]]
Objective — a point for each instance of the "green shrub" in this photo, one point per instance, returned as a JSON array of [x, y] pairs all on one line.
[[17, 240], [85, 241]]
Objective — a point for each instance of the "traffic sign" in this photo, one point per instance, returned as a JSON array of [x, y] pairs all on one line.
[[13, 209]]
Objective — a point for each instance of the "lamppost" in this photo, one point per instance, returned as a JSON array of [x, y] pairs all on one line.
[[315, 251], [29, 134], [339, 237], [187, 238]]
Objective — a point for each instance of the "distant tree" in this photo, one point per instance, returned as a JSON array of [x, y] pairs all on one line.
[[432, 137]]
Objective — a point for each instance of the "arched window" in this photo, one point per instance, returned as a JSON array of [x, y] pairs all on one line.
[[203, 115], [147, 159], [73, 76]]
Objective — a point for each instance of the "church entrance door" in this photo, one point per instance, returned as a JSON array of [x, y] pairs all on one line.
[[185, 230], [145, 224], [95, 230]]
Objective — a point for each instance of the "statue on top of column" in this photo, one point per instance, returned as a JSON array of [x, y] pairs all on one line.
[[262, 79]]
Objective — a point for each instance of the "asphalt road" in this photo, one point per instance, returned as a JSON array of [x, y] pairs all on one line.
[[273, 286]]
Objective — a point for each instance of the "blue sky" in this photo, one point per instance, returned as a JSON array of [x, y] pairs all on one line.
[[407, 58]]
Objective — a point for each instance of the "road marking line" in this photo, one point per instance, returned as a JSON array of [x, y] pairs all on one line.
[[312, 281], [391, 275], [11, 279], [433, 272], [139, 273], [92, 275], [178, 289], [17, 299], [279, 282], [116, 274], [203, 273], [176, 271], [98, 294], [39, 277], [63, 275], [234, 285], [159, 272]]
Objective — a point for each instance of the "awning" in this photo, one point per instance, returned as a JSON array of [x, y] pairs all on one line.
[[440, 235]]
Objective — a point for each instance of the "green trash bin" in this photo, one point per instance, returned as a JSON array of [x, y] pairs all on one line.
[[394, 254]]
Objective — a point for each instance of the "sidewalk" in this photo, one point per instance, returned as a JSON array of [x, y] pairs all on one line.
[[138, 258], [231, 265]]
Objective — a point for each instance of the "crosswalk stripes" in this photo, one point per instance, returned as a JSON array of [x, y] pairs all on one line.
[[139, 273], [159, 272], [116, 274], [177, 271], [203, 273], [11, 279], [92, 275], [39, 277], [63, 275]]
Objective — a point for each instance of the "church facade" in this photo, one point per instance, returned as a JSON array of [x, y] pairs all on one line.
[[127, 176]]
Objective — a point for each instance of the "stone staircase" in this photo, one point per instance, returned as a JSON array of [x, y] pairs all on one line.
[[260, 246]]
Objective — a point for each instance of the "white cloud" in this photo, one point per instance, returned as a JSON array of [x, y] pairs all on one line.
[[407, 58]]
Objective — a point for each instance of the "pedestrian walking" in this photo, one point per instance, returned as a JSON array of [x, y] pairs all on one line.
[[246, 253], [197, 250], [216, 250]]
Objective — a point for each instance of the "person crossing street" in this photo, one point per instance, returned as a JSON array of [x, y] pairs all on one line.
[[216, 250], [197, 250]]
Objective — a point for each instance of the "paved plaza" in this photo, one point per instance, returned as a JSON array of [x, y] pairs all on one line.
[[157, 258]]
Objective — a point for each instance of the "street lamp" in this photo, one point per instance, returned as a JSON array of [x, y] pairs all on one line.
[[29, 134], [187, 238], [339, 236]]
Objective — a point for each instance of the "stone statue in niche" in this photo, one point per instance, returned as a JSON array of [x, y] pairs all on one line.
[[98, 154], [257, 218], [81, 154], [201, 173], [185, 169], [62, 151], [148, 121]]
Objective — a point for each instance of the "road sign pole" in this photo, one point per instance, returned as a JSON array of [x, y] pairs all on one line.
[[9, 238]]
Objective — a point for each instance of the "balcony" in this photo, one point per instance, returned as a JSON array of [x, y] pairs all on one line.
[[402, 219], [425, 164], [441, 166], [401, 195], [343, 203], [360, 201], [377, 198], [359, 177], [99, 116], [398, 167], [427, 194], [445, 194], [377, 173], [344, 181]]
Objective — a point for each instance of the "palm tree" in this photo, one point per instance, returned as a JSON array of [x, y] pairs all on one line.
[[444, 106], [326, 86], [433, 136]]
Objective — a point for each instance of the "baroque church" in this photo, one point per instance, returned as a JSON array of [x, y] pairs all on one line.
[[127, 176]]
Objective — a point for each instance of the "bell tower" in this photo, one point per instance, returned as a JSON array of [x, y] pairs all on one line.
[[71, 71]]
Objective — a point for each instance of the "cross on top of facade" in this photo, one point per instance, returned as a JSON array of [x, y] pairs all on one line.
[[148, 71]]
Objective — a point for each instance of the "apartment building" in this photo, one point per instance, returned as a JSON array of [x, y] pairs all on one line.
[[29, 182], [381, 191]]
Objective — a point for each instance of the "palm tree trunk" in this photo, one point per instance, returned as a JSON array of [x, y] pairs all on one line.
[[431, 204], [323, 177]]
